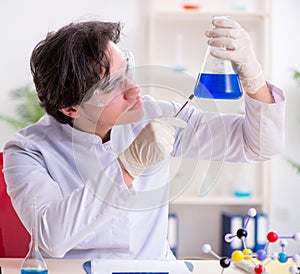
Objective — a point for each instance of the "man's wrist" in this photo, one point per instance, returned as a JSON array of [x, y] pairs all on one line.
[[128, 179]]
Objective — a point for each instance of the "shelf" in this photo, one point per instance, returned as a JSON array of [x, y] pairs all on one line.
[[216, 201], [199, 15]]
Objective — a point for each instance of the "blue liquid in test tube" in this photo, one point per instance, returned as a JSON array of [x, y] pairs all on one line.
[[218, 86]]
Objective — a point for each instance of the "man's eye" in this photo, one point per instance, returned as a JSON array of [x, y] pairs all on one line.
[[113, 84], [109, 89]]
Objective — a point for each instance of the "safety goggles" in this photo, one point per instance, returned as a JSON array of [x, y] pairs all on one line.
[[119, 82]]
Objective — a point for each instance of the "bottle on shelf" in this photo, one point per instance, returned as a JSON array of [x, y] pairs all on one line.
[[191, 4]]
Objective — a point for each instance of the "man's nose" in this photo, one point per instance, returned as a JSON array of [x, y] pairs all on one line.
[[131, 91]]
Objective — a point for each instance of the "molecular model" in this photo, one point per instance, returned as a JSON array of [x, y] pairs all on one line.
[[244, 258]]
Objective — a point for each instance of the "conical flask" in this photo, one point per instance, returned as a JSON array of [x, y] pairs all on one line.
[[34, 262], [217, 79]]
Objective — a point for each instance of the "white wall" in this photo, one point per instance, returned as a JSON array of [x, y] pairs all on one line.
[[24, 23]]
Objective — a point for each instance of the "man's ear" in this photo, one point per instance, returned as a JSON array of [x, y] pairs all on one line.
[[70, 111]]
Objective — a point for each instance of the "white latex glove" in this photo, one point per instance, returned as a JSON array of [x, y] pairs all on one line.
[[228, 34], [153, 144]]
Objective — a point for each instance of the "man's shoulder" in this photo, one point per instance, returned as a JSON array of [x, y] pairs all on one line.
[[35, 134]]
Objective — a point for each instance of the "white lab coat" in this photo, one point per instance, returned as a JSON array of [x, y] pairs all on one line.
[[85, 209]]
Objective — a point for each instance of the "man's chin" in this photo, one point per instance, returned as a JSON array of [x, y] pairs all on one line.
[[131, 116]]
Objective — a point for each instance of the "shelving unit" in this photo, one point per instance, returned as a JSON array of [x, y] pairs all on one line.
[[176, 41]]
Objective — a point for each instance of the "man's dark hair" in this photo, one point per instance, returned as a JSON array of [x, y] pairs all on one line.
[[68, 62]]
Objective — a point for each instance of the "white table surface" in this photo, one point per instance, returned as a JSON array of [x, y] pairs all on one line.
[[74, 266]]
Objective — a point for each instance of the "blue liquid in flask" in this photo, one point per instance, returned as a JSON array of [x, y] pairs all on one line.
[[34, 271], [218, 86]]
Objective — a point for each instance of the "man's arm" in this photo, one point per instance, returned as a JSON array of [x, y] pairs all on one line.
[[263, 94]]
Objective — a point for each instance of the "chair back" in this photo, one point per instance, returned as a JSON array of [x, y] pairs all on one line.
[[14, 238]]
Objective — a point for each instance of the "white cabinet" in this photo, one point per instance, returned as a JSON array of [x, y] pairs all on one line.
[[177, 41]]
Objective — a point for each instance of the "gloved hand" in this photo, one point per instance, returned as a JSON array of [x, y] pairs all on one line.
[[153, 144], [228, 34]]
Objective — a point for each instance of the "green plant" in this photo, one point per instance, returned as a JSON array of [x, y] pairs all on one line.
[[28, 109], [296, 76]]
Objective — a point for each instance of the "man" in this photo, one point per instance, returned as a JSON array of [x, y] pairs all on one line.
[[98, 161]]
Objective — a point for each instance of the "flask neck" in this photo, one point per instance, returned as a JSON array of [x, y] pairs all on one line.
[[34, 227], [214, 65]]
